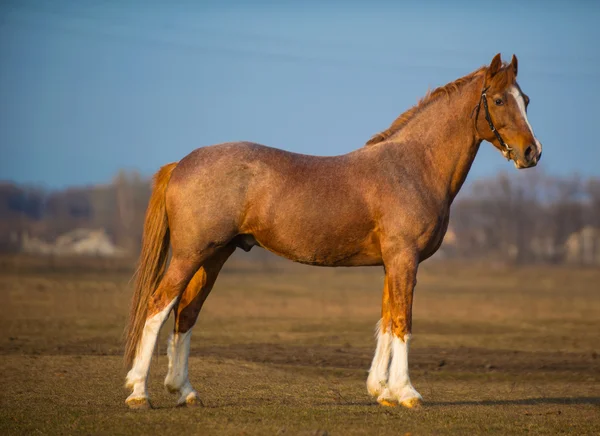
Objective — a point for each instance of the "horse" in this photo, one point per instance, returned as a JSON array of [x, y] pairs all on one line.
[[384, 204]]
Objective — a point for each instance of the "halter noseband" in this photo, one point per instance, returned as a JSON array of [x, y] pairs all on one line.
[[506, 148]]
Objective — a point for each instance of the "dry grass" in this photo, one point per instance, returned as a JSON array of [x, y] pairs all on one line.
[[285, 351]]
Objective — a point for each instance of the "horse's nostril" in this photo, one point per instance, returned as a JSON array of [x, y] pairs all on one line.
[[529, 153]]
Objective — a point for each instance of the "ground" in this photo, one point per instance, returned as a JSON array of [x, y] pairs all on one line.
[[284, 349]]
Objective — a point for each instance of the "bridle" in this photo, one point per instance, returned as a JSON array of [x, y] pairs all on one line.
[[506, 149]]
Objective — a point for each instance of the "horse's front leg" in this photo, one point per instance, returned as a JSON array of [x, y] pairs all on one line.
[[378, 374], [401, 272]]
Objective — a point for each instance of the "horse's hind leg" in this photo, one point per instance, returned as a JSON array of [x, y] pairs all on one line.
[[172, 285], [186, 314]]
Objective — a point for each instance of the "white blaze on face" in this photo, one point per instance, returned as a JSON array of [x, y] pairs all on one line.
[[516, 93]]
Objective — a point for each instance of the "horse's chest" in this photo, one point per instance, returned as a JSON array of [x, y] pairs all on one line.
[[434, 237]]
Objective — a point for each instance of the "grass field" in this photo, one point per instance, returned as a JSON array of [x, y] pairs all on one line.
[[285, 350]]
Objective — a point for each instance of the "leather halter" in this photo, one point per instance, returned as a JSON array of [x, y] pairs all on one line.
[[506, 149]]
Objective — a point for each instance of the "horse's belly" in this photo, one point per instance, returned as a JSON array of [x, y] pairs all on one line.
[[324, 251]]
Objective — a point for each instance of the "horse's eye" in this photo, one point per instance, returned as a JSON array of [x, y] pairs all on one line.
[[499, 102]]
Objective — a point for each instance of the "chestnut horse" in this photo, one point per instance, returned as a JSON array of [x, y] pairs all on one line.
[[387, 203]]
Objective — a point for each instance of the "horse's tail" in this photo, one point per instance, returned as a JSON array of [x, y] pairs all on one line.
[[152, 262]]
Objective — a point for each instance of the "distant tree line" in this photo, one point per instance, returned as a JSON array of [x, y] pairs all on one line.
[[516, 217], [530, 217], [117, 207]]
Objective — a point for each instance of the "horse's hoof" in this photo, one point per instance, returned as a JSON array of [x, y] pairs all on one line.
[[375, 389], [412, 403], [140, 403], [373, 392], [192, 400], [386, 403]]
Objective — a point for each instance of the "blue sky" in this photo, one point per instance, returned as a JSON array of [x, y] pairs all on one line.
[[89, 87]]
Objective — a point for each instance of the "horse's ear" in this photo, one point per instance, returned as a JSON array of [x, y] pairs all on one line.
[[494, 66], [514, 63]]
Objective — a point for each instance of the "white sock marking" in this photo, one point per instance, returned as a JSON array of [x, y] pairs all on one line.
[[399, 381], [378, 374], [136, 377], [178, 351]]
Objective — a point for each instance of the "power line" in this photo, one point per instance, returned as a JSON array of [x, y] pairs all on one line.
[[123, 33]]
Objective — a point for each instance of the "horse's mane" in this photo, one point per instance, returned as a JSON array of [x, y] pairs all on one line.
[[429, 98]]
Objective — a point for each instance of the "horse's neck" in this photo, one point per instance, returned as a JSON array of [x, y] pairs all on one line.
[[444, 136]]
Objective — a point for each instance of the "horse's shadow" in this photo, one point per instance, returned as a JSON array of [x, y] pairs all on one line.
[[427, 404], [516, 402], [519, 402]]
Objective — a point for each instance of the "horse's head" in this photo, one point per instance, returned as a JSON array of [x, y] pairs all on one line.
[[502, 115]]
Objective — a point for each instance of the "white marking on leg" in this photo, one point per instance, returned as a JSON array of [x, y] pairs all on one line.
[[514, 91], [136, 377], [178, 351], [177, 380], [399, 381], [378, 374]]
